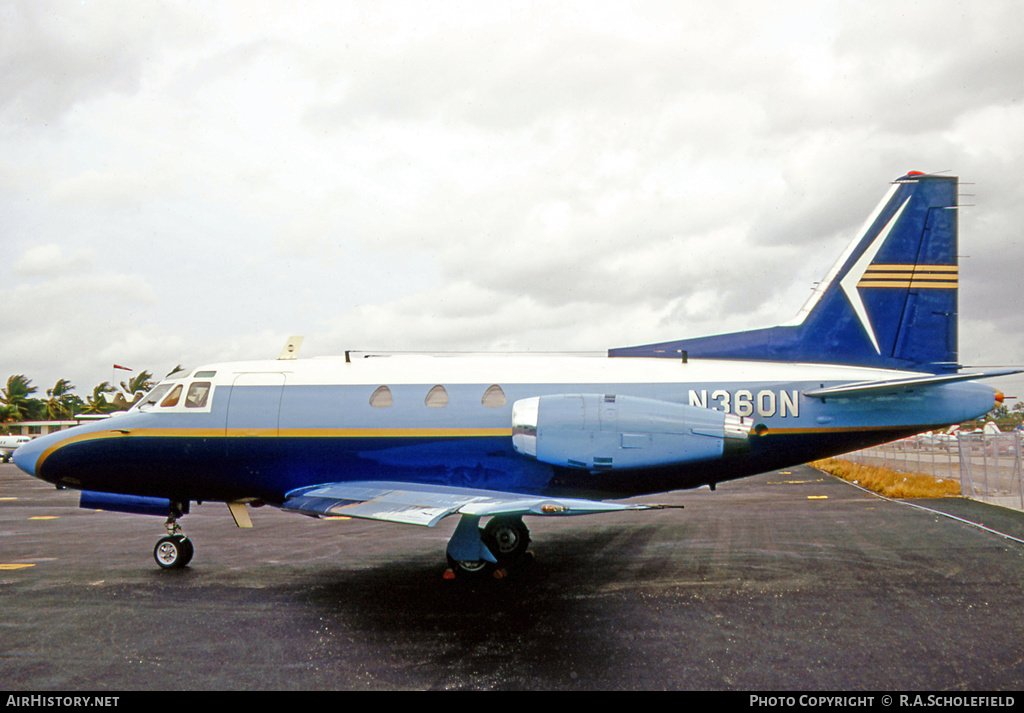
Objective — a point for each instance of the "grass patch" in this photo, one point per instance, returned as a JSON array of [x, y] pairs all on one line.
[[888, 482]]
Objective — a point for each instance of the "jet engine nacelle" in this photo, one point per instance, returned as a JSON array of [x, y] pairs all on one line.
[[605, 432]]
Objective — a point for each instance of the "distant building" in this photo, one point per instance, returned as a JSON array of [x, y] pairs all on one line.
[[41, 428]]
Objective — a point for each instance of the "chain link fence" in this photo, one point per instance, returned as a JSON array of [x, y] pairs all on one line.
[[989, 467]]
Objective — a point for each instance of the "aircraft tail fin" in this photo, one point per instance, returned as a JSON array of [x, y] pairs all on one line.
[[890, 301]]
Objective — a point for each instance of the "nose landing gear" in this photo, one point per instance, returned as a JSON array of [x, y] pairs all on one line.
[[175, 550]]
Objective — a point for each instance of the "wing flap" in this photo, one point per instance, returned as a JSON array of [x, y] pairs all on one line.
[[407, 513], [426, 505]]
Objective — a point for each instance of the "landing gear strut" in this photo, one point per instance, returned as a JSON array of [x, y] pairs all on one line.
[[493, 549], [175, 550]]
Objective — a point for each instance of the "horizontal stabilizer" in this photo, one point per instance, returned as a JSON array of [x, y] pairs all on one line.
[[427, 505], [894, 386]]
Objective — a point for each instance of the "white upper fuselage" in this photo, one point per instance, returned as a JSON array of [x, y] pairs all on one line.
[[541, 369]]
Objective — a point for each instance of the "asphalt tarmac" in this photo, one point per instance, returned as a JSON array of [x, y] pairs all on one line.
[[787, 581]]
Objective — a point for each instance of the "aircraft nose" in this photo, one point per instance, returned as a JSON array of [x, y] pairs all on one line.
[[26, 455]]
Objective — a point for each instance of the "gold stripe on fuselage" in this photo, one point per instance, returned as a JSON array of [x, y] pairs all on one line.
[[368, 433]]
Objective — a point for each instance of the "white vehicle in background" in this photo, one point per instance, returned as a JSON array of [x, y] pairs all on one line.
[[8, 444]]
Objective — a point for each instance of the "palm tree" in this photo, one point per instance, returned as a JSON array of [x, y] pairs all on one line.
[[139, 385], [143, 381], [61, 403], [17, 396], [97, 403], [8, 414]]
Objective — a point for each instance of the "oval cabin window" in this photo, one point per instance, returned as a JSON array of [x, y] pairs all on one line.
[[381, 398], [437, 397], [493, 397]]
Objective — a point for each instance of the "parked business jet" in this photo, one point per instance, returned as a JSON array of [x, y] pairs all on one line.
[[8, 444], [870, 358]]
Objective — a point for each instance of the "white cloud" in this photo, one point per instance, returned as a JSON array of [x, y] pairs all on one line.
[[50, 260], [55, 56], [206, 179]]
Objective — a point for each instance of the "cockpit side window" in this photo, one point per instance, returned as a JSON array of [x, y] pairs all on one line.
[[198, 393], [172, 398]]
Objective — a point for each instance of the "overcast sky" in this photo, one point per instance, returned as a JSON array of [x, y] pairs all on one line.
[[189, 182]]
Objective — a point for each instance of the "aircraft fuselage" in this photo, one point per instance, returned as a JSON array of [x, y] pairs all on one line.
[[267, 428]]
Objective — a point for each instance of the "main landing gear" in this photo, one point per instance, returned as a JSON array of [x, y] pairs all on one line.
[[175, 550], [493, 549]]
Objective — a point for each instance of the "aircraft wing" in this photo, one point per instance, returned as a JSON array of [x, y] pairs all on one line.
[[895, 386], [416, 504]]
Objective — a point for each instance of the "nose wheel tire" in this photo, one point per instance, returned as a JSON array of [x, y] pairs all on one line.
[[173, 552]]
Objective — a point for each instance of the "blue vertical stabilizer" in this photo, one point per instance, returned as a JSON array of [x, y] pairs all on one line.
[[890, 301]]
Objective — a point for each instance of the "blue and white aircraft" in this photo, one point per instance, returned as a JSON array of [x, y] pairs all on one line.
[[870, 358]]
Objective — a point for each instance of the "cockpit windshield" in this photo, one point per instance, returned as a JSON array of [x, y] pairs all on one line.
[[153, 397], [169, 395]]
